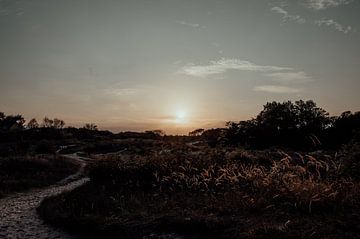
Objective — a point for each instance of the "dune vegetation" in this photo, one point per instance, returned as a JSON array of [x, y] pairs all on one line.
[[222, 192], [22, 173], [291, 172]]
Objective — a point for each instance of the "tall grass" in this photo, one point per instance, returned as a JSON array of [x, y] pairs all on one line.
[[265, 179], [215, 193]]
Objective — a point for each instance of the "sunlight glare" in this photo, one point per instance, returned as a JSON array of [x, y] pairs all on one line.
[[180, 117]]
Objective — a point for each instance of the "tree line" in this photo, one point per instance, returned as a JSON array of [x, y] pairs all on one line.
[[300, 124], [17, 122]]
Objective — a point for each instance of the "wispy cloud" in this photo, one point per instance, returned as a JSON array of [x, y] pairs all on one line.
[[323, 4], [278, 89], [334, 24], [323, 22], [13, 8], [290, 77], [283, 75], [224, 64], [121, 91], [288, 17], [194, 25]]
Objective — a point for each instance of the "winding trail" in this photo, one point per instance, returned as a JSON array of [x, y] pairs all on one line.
[[18, 217]]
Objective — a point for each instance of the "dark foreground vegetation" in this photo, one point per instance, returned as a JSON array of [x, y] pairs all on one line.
[[215, 193], [24, 173], [290, 172]]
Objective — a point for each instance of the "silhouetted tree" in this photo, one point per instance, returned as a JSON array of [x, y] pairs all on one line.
[[344, 128], [159, 132], [90, 126], [154, 133], [47, 123], [243, 133], [53, 123], [58, 123], [196, 132], [11, 122], [311, 118], [213, 136], [300, 124], [276, 117], [33, 124]]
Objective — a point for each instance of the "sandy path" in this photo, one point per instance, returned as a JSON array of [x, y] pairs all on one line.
[[18, 217]]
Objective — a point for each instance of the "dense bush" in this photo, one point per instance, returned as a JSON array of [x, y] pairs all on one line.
[[45, 147], [23, 173], [11, 122], [299, 125]]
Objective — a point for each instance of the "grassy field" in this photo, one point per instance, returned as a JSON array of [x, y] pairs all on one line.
[[202, 192], [27, 172]]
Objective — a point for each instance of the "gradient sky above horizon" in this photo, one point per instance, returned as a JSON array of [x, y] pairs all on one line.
[[174, 64]]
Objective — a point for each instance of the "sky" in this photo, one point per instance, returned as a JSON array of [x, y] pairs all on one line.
[[175, 65]]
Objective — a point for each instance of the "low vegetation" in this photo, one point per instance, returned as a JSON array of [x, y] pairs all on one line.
[[24, 173], [202, 192]]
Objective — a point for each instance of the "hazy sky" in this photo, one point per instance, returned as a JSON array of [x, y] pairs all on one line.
[[175, 64]]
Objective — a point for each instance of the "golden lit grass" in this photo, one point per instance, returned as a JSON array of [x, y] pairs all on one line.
[[218, 192]]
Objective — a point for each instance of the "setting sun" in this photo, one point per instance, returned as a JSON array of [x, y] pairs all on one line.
[[180, 117]]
